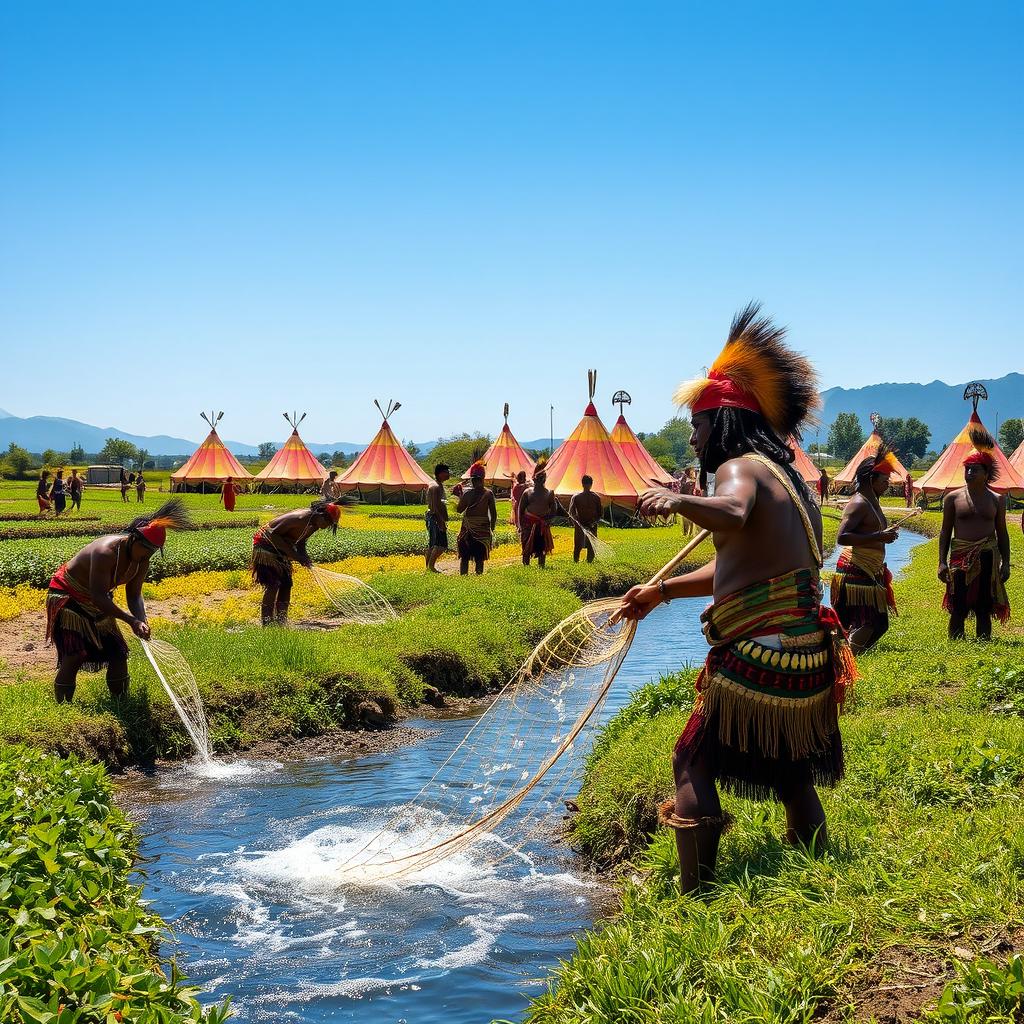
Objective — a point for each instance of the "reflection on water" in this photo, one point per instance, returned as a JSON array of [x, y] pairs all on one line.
[[244, 862]]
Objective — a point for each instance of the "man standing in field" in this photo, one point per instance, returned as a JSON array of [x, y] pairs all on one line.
[[585, 510], [81, 616], [227, 495], [140, 488], [974, 545], [518, 490], [861, 588], [75, 488], [536, 509], [278, 544], [479, 518], [823, 482], [436, 517], [765, 722]]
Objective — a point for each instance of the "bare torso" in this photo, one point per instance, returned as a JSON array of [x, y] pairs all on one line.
[[861, 521], [586, 507], [437, 501], [105, 564], [539, 501], [974, 515]]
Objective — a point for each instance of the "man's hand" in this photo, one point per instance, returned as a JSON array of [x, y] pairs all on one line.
[[658, 501], [639, 602], [943, 572], [888, 536], [140, 628], [306, 563], [1004, 571]]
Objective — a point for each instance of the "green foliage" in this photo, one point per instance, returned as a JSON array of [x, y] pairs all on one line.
[[1011, 434], [670, 446], [984, 993], [116, 450], [1001, 689], [76, 456], [92, 526], [908, 437], [266, 451], [18, 459], [459, 452], [845, 436], [79, 943]]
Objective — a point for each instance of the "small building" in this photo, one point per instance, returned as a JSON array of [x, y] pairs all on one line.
[[100, 475]]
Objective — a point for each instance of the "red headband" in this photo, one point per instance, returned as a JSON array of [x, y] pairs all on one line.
[[980, 459], [477, 469], [154, 534], [722, 392], [334, 511]]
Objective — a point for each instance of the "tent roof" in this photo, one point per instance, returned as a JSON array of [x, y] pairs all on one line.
[[848, 475], [804, 464], [504, 459], [947, 473], [385, 464], [292, 464], [631, 449], [210, 463], [1017, 458], [589, 450]]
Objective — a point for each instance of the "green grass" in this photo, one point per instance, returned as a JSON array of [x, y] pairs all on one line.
[[926, 855], [79, 945]]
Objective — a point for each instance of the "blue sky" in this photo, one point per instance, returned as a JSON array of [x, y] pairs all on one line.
[[268, 206]]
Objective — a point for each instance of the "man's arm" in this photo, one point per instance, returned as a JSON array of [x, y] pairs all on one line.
[[1003, 536], [133, 593], [639, 602], [726, 512], [465, 501], [523, 502], [946, 534], [492, 511]]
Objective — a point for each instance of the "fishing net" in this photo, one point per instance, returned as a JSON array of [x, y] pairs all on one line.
[[353, 599], [180, 685], [602, 549], [501, 783]]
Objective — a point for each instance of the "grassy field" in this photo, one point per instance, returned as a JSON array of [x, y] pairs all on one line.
[[915, 911]]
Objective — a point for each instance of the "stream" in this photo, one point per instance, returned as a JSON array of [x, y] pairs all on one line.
[[241, 865]]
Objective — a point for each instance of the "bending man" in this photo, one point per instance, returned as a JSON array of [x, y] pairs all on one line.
[[278, 544], [765, 722], [81, 615]]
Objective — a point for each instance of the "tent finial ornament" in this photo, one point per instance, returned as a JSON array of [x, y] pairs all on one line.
[[876, 419], [621, 398], [592, 382], [975, 391], [506, 412]]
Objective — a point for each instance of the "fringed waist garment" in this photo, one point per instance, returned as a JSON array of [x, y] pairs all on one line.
[[862, 579], [476, 527], [74, 625], [966, 556], [768, 697], [536, 533], [269, 567]]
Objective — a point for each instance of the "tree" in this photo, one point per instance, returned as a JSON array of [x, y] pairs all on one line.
[[50, 457], [845, 436], [660, 450], [116, 451], [338, 460], [267, 450], [142, 457], [18, 459], [677, 433], [77, 455], [413, 449], [458, 452], [1011, 435], [909, 438]]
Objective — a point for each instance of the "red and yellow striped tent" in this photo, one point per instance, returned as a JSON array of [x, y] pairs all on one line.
[[292, 464], [385, 470], [947, 474], [589, 450], [632, 450], [505, 459], [846, 479], [1017, 458], [210, 463], [804, 465]]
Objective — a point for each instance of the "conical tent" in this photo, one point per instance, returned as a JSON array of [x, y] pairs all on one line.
[[589, 450], [505, 459], [294, 463], [210, 463], [947, 474], [632, 450], [1017, 458], [804, 464], [385, 470], [846, 479]]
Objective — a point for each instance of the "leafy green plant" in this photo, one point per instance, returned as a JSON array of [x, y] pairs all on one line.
[[984, 993]]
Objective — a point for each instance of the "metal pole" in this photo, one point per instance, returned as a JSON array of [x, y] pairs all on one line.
[[551, 437]]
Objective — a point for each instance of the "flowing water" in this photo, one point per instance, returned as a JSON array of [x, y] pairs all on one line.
[[242, 861]]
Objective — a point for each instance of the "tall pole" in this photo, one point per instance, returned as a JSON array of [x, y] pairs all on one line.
[[551, 437]]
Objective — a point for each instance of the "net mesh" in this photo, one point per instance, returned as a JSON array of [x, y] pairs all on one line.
[[182, 690], [353, 599]]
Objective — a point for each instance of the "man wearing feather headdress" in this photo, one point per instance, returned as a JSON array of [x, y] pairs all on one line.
[[861, 587], [537, 507], [278, 544], [81, 616], [974, 545], [479, 518], [765, 721]]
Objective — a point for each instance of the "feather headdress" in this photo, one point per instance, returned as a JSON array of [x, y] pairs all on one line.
[[479, 468], [152, 530], [882, 462], [757, 371], [984, 445], [540, 466]]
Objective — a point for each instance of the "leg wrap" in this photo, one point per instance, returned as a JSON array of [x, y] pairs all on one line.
[[667, 816]]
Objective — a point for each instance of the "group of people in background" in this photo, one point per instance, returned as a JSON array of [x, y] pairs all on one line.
[[133, 480], [55, 495]]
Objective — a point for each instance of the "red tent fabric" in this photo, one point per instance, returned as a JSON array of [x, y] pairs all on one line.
[[1017, 458], [292, 464], [948, 472], [589, 450], [847, 477], [385, 468], [632, 450], [210, 463], [504, 460], [804, 464]]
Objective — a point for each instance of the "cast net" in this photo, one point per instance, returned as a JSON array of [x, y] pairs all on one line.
[[182, 690], [353, 599], [514, 767]]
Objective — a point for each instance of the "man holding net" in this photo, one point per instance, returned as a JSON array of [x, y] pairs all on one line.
[[765, 719], [585, 510], [278, 544], [81, 616]]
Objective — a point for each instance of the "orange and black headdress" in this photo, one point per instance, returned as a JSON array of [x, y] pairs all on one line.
[[152, 530], [757, 371], [540, 467], [984, 446], [479, 468], [882, 462]]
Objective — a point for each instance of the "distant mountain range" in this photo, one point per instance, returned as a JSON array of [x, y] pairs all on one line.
[[937, 404]]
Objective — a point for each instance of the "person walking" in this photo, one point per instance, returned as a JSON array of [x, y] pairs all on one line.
[[75, 487], [124, 485], [58, 494], [140, 487], [43, 492]]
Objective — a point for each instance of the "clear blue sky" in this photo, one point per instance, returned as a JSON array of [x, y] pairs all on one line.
[[305, 205]]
